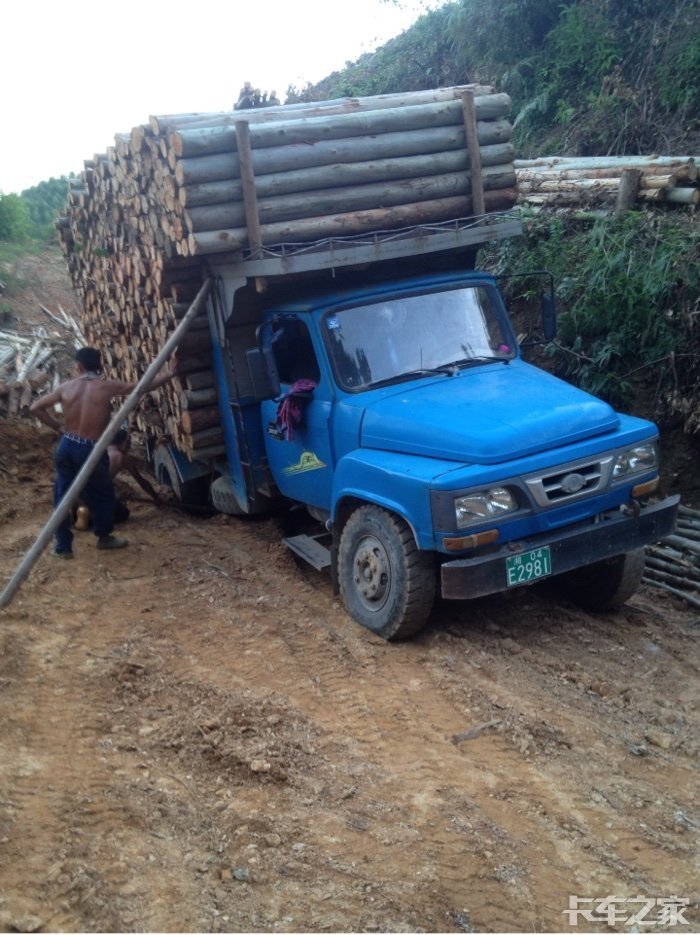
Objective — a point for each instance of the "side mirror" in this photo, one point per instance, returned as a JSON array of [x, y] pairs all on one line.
[[549, 317], [263, 373]]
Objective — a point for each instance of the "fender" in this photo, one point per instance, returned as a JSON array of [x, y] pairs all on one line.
[[399, 483]]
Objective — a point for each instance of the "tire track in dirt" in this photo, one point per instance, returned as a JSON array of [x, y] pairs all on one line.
[[65, 786], [353, 705], [388, 712], [383, 820]]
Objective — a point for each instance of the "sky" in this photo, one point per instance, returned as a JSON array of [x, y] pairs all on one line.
[[74, 75]]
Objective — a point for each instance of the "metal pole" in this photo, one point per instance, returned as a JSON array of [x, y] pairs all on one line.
[[129, 404]]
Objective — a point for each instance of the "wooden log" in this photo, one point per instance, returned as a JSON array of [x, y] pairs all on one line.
[[677, 196], [683, 571], [194, 420], [582, 187], [627, 191], [199, 380], [192, 364], [677, 592], [649, 174], [195, 399], [566, 199], [340, 174], [165, 124], [292, 158], [352, 223], [196, 343], [25, 399], [589, 162], [204, 437], [210, 140], [353, 198]]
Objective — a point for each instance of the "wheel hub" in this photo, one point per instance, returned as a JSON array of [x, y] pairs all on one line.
[[371, 572]]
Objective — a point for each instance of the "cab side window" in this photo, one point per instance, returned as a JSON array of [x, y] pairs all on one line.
[[294, 353]]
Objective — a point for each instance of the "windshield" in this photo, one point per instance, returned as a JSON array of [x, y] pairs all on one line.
[[403, 337]]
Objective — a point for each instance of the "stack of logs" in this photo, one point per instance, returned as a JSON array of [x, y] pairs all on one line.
[[581, 182], [142, 219], [674, 563]]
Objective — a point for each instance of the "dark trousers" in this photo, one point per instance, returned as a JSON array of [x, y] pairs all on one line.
[[98, 493]]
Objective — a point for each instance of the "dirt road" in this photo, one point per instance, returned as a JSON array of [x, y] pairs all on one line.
[[195, 737]]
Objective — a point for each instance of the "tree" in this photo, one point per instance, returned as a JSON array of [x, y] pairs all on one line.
[[44, 202], [14, 220]]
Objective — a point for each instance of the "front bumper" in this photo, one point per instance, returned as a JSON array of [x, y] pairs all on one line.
[[616, 532]]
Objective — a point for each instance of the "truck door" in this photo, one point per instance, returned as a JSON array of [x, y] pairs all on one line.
[[298, 448]]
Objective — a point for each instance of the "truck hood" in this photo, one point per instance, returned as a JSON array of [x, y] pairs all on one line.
[[483, 415]]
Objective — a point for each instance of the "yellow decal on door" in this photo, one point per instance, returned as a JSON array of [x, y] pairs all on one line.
[[308, 462]]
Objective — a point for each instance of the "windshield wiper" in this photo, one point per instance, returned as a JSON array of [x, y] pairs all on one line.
[[447, 371], [455, 365]]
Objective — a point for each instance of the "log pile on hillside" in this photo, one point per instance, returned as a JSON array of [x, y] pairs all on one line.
[[601, 181], [31, 365], [143, 218]]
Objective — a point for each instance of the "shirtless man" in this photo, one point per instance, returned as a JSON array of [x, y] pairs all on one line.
[[85, 401]]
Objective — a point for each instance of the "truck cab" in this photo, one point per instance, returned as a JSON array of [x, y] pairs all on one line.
[[400, 413]]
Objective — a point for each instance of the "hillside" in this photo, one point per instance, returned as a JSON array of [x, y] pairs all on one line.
[[587, 78]]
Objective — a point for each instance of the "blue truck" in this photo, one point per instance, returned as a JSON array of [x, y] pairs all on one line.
[[381, 388], [361, 375]]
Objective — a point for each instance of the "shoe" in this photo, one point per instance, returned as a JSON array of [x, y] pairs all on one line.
[[111, 542], [67, 554]]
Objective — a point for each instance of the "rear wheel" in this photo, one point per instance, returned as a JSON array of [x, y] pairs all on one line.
[[192, 493], [387, 584], [605, 585]]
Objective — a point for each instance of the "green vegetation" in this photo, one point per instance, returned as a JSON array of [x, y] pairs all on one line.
[[14, 219], [627, 290], [587, 77], [31, 215]]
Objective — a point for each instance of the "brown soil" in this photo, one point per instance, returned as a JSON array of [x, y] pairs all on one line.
[[195, 737]]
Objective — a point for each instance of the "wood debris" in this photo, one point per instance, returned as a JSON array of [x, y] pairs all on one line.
[[599, 181], [30, 364], [673, 564]]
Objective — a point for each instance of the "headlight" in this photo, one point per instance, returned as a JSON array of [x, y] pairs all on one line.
[[483, 506], [635, 461]]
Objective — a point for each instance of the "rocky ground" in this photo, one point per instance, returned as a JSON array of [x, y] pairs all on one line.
[[195, 737]]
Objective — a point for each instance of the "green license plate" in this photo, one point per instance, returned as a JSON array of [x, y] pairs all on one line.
[[520, 569]]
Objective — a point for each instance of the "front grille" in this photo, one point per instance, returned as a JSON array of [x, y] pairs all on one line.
[[570, 482]]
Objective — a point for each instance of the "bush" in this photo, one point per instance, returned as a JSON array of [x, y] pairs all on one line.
[[14, 219], [627, 293]]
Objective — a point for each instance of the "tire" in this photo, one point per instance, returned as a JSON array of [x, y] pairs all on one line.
[[193, 493], [605, 585], [223, 498], [387, 584]]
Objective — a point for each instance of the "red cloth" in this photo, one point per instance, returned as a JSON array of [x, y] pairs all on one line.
[[289, 411]]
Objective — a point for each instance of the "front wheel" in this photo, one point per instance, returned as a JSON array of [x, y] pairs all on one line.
[[604, 585], [386, 582]]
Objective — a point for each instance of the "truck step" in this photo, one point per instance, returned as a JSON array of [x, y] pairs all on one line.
[[311, 549]]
